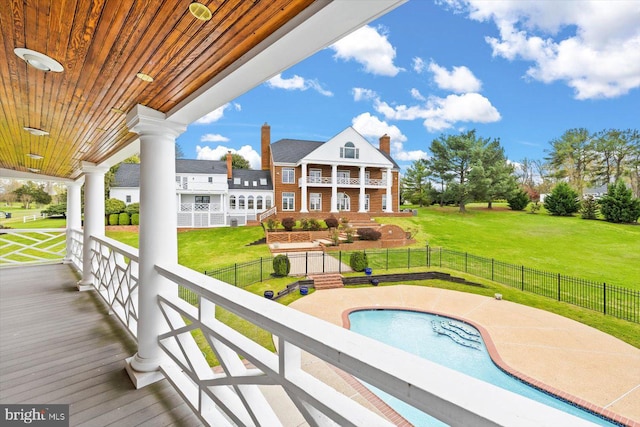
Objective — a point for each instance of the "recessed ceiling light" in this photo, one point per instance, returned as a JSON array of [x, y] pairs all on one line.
[[200, 11], [117, 110], [36, 132], [38, 60], [35, 156], [34, 170], [144, 77]]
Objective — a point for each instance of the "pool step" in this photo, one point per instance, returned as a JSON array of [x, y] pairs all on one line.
[[459, 334]]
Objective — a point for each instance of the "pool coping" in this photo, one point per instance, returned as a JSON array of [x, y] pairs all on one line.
[[497, 360]]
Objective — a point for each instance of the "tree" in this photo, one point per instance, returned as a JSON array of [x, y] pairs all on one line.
[[562, 201], [618, 205], [571, 156], [589, 208], [416, 187], [518, 201], [114, 206], [179, 152], [31, 192], [237, 161], [493, 176], [454, 156]]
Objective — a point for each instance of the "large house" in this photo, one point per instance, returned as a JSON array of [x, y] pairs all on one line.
[[344, 174]]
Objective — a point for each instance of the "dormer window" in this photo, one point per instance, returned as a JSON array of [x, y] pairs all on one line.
[[349, 151], [236, 181]]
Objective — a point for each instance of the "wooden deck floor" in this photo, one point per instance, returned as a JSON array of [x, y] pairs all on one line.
[[59, 346]]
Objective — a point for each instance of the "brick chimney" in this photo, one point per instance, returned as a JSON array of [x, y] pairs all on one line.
[[265, 144], [385, 143], [229, 165]]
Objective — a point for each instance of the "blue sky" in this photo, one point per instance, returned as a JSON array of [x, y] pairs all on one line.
[[521, 71]]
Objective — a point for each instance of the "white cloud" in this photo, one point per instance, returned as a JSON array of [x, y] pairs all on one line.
[[418, 65], [217, 114], [415, 94], [373, 128], [213, 137], [246, 151], [459, 80], [443, 113], [360, 94], [592, 46], [371, 48], [297, 83]]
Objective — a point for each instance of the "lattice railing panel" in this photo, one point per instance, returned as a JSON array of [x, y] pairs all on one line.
[[32, 246]]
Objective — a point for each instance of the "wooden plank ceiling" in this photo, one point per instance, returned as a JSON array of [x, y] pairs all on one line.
[[102, 45]]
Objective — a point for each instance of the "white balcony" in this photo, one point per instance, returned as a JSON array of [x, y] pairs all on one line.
[[325, 181]]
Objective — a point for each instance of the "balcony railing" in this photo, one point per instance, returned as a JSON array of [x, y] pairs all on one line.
[[32, 246], [341, 181], [234, 396], [200, 207]]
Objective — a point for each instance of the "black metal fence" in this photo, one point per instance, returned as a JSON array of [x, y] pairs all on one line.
[[616, 301]]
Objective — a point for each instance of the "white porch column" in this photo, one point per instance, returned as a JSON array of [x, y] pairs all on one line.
[[362, 198], [304, 208], [74, 214], [389, 193], [334, 189], [93, 218], [158, 240]]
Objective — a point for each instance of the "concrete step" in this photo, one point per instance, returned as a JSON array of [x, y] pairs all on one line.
[[327, 281]]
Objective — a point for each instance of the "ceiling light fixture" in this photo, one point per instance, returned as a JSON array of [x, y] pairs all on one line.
[[36, 131], [38, 60], [144, 77], [35, 156], [200, 11]]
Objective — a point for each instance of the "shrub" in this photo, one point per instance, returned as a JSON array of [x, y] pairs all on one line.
[[272, 224], [519, 201], [334, 236], [314, 224], [535, 207], [133, 208], [123, 218], [288, 223], [135, 219], [331, 222], [618, 205], [563, 201], [589, 208], [369, 234], [281, 265], [349, 232], [113, 219], [304, 223], [114, 206], [358, 261], [56, 210]]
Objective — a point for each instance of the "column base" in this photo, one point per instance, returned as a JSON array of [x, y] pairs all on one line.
[[304, 211], [84, 286], [141, 379]]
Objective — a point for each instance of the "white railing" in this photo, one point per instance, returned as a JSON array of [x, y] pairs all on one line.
[[266, 214], [32, 246], [325, 180], [114, 266], [200, 207], [75, 238]]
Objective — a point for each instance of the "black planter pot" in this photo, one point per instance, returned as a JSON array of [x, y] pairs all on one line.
[[374, 282], [268, 294]]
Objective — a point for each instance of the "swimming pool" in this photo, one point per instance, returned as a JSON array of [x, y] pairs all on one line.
[[450, 343]]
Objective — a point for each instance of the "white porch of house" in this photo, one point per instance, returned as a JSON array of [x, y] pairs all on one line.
[[207, 210]]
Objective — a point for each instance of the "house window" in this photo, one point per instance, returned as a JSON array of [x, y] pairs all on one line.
[[315, 176], [384, 202], [236, 181], [288, 201], [366, 202], [250, 202], [210, 179], [384, 177], [288, 176], [349, 151], [128, 198], [232, 202], [259, 202], [241, 202], [315, 201], [203, 199], [263, 181], [344, 202], [267, 202], [344, 177]]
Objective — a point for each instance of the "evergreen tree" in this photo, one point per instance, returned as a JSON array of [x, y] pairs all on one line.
[[562, 201], [492, 177], [519, 200], [416, 187], [618, 205], [237, 161], [589, 208]]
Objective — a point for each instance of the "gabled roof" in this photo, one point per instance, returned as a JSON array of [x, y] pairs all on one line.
[[128, 174], [250, 176], [292, 150]]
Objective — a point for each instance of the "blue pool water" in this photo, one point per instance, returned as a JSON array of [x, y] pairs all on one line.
[[414, 332]]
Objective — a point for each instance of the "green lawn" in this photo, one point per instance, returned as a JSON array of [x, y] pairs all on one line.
[[593, 250]]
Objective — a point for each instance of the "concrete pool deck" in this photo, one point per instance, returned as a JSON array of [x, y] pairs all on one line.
[[598, 370]]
